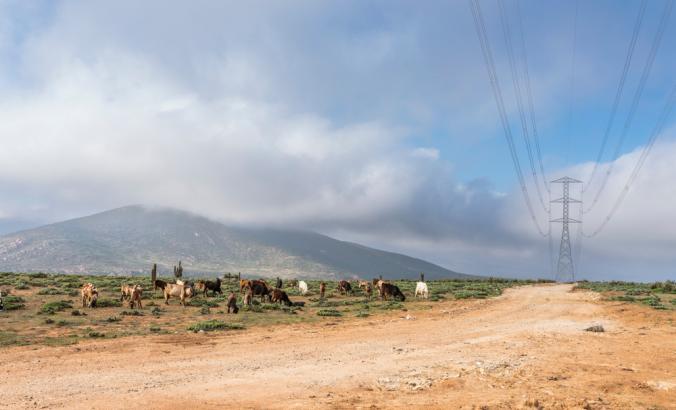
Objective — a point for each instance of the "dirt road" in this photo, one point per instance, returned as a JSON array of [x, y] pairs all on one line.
[[524, 349]]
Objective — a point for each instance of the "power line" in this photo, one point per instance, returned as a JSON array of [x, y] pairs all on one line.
[[637, 96], [519, 101], [497, 94], [657, 130], [620, 88], [536, 137]]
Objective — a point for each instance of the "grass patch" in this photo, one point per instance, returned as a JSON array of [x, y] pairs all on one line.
[[362, 314], [113, 319], [13, 302], [61, 340], [199, 302], [10, 338], [211, 325], [131, 313], [104, 303], [94, 334], [329, 312], [57, 306], [52, 291]]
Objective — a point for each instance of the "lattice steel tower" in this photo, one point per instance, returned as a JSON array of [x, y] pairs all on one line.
[[565, 271]]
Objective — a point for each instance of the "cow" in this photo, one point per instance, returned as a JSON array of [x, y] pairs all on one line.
[[389, 289], [421, 289], [89, 295], [302, 287], [209, 285], [322, 290], [178, 291], [280, 296], [366, 286], [378, 284], [243, 284], [248, 297], [344, 287], [232, 304], [260, 288], [126, 291]]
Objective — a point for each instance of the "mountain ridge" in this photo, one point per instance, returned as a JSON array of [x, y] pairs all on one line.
[[131, 238]]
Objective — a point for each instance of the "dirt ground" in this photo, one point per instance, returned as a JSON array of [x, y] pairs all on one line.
[[524, 349]]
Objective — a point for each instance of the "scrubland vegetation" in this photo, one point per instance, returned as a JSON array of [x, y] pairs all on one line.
[[657, 295], [46, 308]]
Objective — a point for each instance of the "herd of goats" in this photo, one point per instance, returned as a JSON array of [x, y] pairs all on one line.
[[248, 289]]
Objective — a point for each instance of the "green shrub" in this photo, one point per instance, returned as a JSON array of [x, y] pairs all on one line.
[[211, 325], [155, 329], [104, 302], [329, 312], [13, 302], [22, 286], [57, 306], [200, 302], [362, 314], [51, 291], [77, 313], [94, 334], [205, 310], [113, 319], [131, 313]]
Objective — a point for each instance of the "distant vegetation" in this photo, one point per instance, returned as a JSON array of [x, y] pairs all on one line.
[[41, 304], [658, 295]]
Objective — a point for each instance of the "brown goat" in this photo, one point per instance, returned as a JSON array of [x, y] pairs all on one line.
[[232, 304]]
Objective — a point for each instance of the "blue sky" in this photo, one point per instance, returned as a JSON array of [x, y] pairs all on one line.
[[370, 121]]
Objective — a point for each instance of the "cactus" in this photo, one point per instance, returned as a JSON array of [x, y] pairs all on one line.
[[178, 271], [153, 276]]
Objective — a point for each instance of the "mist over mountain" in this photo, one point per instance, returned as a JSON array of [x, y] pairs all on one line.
[[130, 239]]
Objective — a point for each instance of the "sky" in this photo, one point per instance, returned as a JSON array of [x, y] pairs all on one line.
[[370, 121]]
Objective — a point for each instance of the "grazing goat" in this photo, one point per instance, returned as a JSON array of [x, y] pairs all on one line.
[[209, 285], [89, 295], [177, 291], [302, 287], [280, 296], [248, 297], [389, 289], [232, 304], [366, 286], [421, 289], [135, 297], [344, 287], [322, 290]]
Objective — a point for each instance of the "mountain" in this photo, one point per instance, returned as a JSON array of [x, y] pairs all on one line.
[[130, 239]]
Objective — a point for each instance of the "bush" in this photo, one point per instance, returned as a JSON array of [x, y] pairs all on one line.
[[94, 334], [155, 329], [58, 306], [51, 291], [205, 310], [329, 312], [103, 303], [49, 321], [362, 314], [131, 313], [199, 302], [113, 319], [13, 302], [77, 313], [211, 325], [22, 286]]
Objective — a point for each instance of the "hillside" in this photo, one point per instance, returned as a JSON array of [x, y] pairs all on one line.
[[130, 239]]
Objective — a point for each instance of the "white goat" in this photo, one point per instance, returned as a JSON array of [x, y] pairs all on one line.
[[302, 287], [421, 289]]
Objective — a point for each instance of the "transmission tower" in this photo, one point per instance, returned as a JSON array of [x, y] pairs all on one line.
[[565, 271]]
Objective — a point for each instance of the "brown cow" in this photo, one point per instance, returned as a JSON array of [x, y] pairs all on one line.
[[322, 290], [260, 288], [243, 284], [389, 289], [344, 287], [280, 296], [232, 304], [89, 295]]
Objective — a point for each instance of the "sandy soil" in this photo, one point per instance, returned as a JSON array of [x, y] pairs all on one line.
[[525, 349]]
